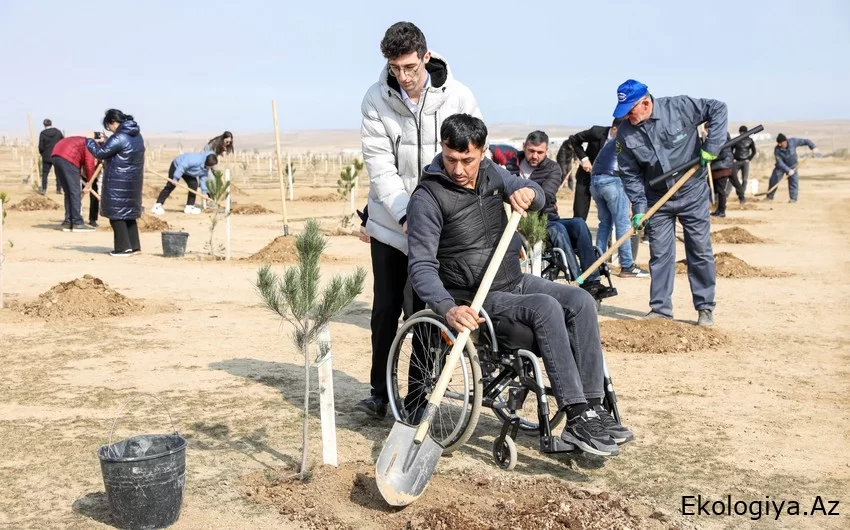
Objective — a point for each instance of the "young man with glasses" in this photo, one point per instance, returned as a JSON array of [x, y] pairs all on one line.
[[402, 115]]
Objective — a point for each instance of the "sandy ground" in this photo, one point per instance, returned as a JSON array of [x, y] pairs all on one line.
[[765, 414]]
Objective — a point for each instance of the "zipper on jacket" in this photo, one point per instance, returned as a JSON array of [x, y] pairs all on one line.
[[395, 153], [419, 135]]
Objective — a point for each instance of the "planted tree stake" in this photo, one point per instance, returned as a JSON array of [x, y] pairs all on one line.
[[227, 217], [324, 366], [2, 252], [280, 168], [289, 175], [34, 148]]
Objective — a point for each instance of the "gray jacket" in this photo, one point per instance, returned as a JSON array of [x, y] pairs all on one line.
[[667, 139], [786, 159]]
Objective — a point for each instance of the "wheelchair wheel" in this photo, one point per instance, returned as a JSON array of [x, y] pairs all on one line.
[[416, 360], [528, 420], [504, 453]]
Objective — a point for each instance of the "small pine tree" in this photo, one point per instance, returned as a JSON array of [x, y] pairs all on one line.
[[533, 227], [217, 189], [4, 198], [294, 296], [348, 178]]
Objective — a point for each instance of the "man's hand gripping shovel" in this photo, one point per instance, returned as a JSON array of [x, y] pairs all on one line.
[[410, 454]]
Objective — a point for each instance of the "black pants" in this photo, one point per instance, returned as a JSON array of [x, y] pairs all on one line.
[[125, 234], [720, 186], [166, 191], [581, 201], [389, 269], [46, 164], [94, 204], [740, 184], [68, 176]]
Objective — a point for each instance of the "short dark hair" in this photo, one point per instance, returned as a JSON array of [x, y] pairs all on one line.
[[211, 161], [47, 122], [616, 122], [742, 129], [460, 130], [402, 38], [780, 138], [537, 138], [115, 115]]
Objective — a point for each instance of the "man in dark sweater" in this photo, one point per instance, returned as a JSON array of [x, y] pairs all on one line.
[[47, 140], [571, 234], [455, 219], [743, 152], [595, 138]]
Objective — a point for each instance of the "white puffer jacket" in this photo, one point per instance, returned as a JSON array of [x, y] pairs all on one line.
[[398, 145]]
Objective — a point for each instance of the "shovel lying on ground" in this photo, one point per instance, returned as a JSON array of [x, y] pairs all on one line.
[[410, 454], [784, 176], [689, 168]]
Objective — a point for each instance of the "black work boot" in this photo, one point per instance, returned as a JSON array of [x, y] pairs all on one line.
[[374, 406]]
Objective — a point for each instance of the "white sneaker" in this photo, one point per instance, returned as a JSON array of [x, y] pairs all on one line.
[[157, 209], [191, 210]]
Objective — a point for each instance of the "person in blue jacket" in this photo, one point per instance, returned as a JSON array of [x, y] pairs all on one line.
[[786, 162], [191, 167], [123, 156]]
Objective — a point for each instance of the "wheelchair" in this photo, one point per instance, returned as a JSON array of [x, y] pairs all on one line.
[[555, 265], [498, 370]]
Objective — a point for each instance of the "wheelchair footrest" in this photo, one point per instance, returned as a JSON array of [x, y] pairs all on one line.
[[554, 444]]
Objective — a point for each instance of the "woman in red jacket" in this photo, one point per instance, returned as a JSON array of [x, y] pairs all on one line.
[[72, 162]]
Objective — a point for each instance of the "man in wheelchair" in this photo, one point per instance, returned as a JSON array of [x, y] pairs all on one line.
[[455, 219], [570, 234]]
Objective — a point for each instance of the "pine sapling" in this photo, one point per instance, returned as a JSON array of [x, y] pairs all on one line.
[[294, 296]]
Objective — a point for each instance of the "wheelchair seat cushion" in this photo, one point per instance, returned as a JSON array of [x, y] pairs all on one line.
[[512, 336]]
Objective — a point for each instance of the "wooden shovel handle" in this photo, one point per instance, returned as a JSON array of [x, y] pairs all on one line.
[[655, 207], [181, 184], [460, 341]]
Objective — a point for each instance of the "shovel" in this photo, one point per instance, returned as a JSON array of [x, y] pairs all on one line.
[[410, 454]]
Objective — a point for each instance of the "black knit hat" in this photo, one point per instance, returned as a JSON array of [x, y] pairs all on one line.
[[742, 129], [780, 138]]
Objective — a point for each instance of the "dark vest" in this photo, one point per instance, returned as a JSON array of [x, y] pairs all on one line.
[[473, 223]]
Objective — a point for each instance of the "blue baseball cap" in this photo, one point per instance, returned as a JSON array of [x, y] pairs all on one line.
[[628, 94]]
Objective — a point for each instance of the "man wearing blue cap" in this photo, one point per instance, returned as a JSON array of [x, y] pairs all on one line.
[[656, 136]]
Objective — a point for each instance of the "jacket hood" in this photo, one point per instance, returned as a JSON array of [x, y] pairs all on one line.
[[436, 170], [437, 67], [129, 127], [52, 132]]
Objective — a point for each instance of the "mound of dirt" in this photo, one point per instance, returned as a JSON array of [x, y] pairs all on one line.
[[734, 235], [249, 209], [34, 203], [147, 223], [84, 298], [281, 250], [347, 497], [727, 265], [658, 336], [330, 197]]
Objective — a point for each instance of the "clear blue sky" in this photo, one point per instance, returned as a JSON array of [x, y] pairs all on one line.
[[211, 65]]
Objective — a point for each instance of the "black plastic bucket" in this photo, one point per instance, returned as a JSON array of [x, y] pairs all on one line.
[[144, 477], [174, 244]]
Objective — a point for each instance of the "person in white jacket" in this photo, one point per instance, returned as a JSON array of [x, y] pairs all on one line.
[[402, 115]]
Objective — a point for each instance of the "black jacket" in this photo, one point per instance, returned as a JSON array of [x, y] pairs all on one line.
[[595, 138], [744, 150], [453, 232], [548, 176], [564, 157], [47, 140]]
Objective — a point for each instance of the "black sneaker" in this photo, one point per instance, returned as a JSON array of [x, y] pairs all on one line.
[[718, 213], [122, 254], [66, 223], [598, 290], [373, 406], [93, 224], [78, 228], [619, 433], [588, 434], [633, 272]]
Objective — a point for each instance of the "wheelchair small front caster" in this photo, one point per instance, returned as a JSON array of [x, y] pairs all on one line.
[[504, 452]]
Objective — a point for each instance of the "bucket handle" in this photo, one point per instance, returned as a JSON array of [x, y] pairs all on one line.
[[130, 400]]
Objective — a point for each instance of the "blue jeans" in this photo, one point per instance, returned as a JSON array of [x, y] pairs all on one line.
[[613, 206], [573, 237]]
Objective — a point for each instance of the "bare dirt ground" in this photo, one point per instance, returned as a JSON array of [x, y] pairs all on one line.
[[760, 408]]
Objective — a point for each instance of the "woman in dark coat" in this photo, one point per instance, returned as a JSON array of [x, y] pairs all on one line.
[[123, 155], [221, 144]]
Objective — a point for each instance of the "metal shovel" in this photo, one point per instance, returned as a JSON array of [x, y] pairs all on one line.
[[410, 454]]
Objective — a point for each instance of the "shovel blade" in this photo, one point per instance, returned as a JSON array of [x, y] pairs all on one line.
[[404, 468]]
